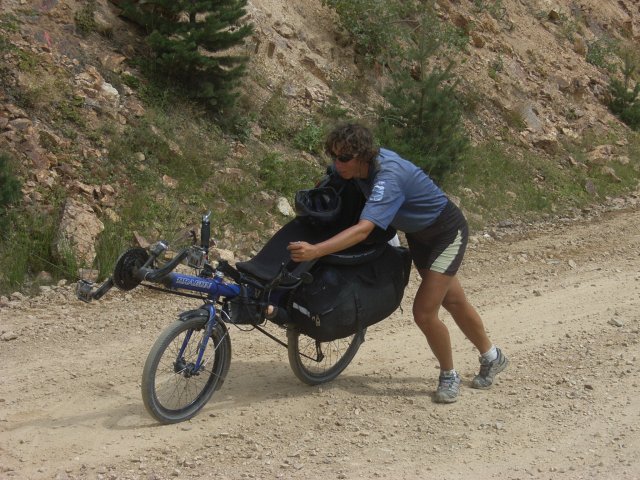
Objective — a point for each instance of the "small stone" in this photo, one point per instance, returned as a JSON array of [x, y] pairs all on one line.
[[17, 297], [615, 322], [8, 336], [44, 277], [169, 182], [284, 208]]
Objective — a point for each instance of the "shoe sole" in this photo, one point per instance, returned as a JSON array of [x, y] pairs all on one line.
[[445, 400]]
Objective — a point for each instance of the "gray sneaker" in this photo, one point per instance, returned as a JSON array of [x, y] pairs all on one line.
[[448, 388], [488, 370]]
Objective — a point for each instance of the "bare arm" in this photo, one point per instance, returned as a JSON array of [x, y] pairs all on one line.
[[303, 251]]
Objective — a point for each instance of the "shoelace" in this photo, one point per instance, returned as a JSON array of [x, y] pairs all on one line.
[[486, 365], [447, 382]]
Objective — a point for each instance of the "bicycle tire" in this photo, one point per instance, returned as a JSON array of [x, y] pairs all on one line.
[[313, 371], [170, 392]]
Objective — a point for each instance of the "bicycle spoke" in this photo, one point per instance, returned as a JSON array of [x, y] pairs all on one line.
[[316, 362], [175, 389]]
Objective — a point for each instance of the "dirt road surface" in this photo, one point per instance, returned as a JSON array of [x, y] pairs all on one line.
[[562, 299]]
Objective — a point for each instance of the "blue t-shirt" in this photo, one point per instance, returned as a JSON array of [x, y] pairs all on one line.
[[400, 194]]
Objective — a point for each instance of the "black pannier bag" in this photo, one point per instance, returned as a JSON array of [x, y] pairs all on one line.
[[246, 308], [344, 299], [352, 289]]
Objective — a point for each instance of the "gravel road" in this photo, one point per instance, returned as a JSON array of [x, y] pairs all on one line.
[[561, 298]]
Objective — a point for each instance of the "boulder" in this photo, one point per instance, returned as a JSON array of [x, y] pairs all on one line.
[[477, 40], [546, 142], [77, 233], [529, 117], [600, 155], [580, 46], [611, 173], [222, 254], [169, 182]]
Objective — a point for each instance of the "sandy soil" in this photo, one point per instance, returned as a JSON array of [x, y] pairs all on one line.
[[562, 299]]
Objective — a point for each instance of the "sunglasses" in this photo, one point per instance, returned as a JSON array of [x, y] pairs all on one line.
[[344, 158]]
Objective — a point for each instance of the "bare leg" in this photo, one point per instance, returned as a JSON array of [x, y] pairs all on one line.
[[465, 316], [429, 298]]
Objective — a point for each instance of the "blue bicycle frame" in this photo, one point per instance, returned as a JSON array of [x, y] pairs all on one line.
[[214, 287], [135, 267]]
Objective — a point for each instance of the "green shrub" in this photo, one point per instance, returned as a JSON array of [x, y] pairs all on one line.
[[110, 244], [496, 67], [310, 138], [285, 176], [624, 100], [9, 189], [625, 103], [274, 117], [84, 20], [422, 118], [600, 51], [373, 25], [26, 249], [10, 22], [495, 8], [333, 110]]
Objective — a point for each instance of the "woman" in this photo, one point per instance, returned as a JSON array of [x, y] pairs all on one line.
[[401, 195]]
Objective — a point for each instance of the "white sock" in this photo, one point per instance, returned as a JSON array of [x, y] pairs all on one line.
[[491, 355], [449, 373]]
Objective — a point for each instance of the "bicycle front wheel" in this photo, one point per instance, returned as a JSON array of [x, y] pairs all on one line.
[[174, 389], [315, 362]]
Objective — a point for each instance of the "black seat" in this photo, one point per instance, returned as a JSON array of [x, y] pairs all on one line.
[[269, 260]]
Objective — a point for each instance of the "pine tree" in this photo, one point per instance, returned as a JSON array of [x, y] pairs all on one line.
[[422, 119], [625, 101], [190, 40]]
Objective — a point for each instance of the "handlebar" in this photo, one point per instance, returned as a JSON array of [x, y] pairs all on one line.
[[205, 231]]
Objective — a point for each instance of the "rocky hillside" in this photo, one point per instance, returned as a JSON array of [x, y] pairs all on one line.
[[538, 73], [527, 60]]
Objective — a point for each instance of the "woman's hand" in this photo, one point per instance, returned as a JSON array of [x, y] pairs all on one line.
[[302, 251]]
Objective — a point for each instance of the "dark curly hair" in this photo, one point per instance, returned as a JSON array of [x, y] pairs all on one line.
[[351, 138]]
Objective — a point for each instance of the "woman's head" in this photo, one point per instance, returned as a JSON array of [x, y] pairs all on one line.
[[348, 141]]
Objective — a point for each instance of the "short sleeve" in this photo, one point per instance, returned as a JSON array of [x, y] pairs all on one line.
[[385, 200]]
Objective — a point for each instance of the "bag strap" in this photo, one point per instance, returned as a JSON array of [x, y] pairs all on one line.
[[360, 330]]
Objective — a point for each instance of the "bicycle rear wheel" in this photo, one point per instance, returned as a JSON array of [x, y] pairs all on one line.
[[315, 362], [173, 390]]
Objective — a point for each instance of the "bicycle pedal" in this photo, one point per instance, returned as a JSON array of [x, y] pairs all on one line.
[[84, 291]]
